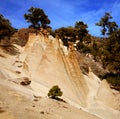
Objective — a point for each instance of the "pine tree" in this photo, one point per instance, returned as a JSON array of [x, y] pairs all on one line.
[[54, 92], [6, 30], [111, 57], [108, 27], [37, 18]]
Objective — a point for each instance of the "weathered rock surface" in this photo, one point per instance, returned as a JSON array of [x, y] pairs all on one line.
[[46, 62]]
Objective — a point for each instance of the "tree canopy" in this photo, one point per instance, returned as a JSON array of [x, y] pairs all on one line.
[[111, 57], [37, 18], [54, 92], [6, 30], [77, 34], [82, 29], [108, 27]]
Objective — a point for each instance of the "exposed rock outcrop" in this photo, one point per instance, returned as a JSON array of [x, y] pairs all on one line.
[[46, 62]]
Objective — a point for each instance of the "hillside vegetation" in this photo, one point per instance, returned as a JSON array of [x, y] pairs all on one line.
[[56, 77], [105, 51]]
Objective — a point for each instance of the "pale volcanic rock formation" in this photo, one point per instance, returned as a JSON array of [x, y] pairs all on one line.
[[45, 62]]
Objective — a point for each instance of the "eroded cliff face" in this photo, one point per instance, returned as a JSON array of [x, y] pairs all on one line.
[[46, 62]]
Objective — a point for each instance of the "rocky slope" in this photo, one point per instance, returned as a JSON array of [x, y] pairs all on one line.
[[45, 62]]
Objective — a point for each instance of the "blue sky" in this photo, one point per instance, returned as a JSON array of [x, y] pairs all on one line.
[[62, 13]]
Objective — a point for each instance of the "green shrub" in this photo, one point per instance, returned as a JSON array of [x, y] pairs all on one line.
[[113, 79], [6, 29], [54, 92]]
